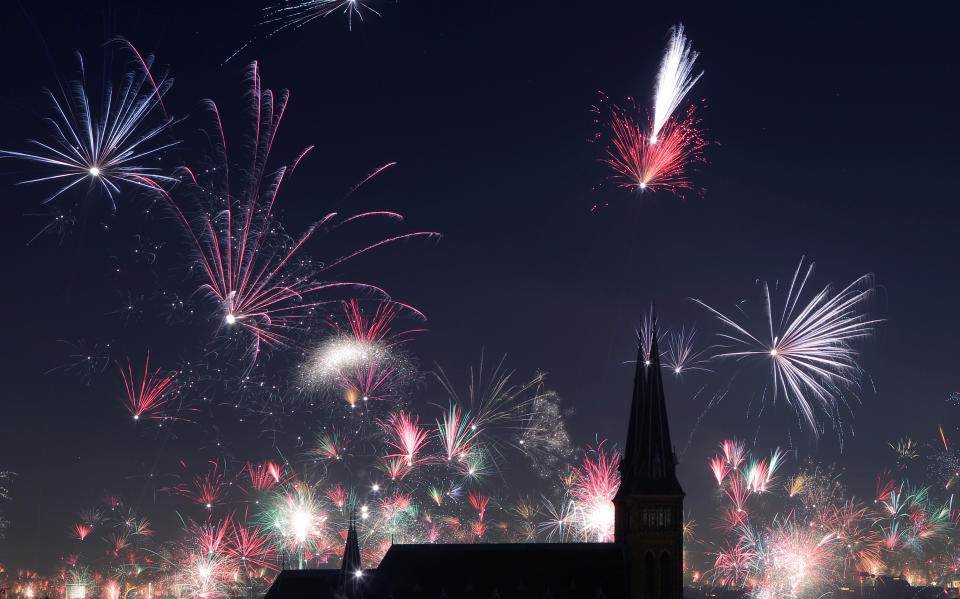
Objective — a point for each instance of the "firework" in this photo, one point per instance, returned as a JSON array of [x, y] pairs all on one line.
[[81, 531], [674, 80], [208, 489], [207, 566], [646, 333], [297, 13], [479, 503], [253, 548], [457, 432], [733, 452], [153, 396], [809, 347], [253, 272], [544, 438], [792, 560], [595, 484], [264, 476], [330, 445], [364, 359], [299, 522], [105, 147], [658, 153], [406, 437], [720, 468], [502, 410], [906, 449], [641, 165], [681, 354]]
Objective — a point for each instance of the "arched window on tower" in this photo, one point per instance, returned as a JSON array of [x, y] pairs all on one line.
[[649, 576], [666, 576]]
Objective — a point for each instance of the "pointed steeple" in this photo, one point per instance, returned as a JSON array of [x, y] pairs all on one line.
[[351, 551], [648, 466]]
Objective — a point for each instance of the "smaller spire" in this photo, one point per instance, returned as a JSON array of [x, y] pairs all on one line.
[[350, 563]]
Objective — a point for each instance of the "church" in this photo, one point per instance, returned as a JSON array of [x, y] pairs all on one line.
[[645, 561]]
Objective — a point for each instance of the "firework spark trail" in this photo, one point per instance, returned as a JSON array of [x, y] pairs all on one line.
[[809, 346], [250, 269], [297, 13], [674, 80], [106, 148]]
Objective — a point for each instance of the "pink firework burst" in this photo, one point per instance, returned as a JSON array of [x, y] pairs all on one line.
[[376, 327], [595, 484], [152, 396], [252, 547], [80, 531], [338, 495], [206, 489], [720, 468], [264, 476], [406, 436], [257, 275], [734, 452]]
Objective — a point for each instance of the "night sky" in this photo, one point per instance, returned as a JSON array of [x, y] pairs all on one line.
[[834, 135]]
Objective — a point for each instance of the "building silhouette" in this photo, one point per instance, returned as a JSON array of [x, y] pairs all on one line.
[[644, 562]]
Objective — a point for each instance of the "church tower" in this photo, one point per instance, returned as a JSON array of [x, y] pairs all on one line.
[[649, 503]]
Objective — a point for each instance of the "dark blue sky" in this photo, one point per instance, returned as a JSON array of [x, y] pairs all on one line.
[[835, 132]]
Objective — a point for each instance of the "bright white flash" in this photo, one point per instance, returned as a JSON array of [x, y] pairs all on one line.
[[94, 171], [674, 79]]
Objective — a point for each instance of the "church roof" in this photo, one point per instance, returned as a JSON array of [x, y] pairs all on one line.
[[478, 571], [648, 466], [482, 571]]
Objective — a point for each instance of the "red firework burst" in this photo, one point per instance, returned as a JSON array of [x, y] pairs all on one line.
[[642, 164]]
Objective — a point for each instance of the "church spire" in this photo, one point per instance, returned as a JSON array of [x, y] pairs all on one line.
[[351, 551], [648, 465]]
